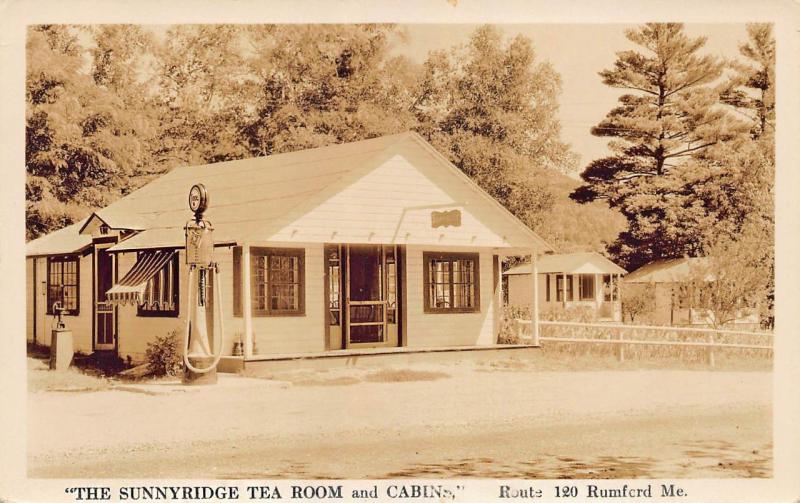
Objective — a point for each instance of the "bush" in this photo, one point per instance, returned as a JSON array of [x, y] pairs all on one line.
[[508, 325], [164, 355], [581, 314]]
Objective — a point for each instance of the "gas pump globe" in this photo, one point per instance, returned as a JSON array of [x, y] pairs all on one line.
[[199, 361]]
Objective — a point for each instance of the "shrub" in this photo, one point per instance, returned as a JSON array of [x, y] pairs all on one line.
[[508, 325], [581, 314], [164, 355]]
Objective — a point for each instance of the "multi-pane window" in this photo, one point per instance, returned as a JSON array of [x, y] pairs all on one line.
[[391, 285], [451, 282], [586, 287], [277, 278], [62, 284], [161, 292], [334, 287]]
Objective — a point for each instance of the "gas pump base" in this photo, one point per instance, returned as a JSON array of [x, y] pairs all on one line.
[[61, 349], [194, 378]]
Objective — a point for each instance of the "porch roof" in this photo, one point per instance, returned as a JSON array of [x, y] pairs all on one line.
[[62, 241], [571, 263]]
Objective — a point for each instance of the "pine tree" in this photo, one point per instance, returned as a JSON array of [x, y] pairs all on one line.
[[669, 117]]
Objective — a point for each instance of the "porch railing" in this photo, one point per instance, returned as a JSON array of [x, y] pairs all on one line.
[[646, 335]]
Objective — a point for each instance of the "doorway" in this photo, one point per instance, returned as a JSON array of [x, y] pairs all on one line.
[[104, 312], [365, 281]]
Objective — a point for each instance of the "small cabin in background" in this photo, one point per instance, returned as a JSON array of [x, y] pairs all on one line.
[[570, 280], [676, 301]]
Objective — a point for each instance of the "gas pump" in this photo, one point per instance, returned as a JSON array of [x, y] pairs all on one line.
[[200, 364]]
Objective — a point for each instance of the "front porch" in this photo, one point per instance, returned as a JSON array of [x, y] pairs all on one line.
[[264, 365]]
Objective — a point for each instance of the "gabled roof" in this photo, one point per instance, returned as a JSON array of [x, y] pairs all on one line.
[[570, 263], [666, 270], [251, 199]]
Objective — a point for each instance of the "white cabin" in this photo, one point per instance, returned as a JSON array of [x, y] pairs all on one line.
[[568, 281], [377, 243]]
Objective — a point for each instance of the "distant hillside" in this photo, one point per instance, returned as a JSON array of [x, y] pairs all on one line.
[[577, 227]]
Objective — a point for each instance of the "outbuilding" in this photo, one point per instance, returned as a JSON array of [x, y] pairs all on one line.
[[671, 286], [583, 281], [380, 243]]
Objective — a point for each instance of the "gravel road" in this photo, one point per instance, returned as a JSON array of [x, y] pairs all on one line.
[[460, 420]]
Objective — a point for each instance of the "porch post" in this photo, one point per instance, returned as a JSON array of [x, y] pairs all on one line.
[[500, 309], [247, 311], [535, 300]]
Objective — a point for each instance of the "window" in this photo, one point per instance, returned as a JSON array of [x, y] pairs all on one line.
[[560, 288], [391, 284], [586, 287], [62, 284], [610, 288], [161, 292], [547, 287], [334, 286], [277, 281], [452, 282]]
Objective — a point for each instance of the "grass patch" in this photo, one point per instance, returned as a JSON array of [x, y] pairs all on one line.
[[41, 378]]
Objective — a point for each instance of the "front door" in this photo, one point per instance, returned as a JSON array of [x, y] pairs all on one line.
[[370, 296], [103, 311]]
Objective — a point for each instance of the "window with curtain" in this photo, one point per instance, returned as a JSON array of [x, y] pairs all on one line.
[[278, 279], [452, 282]]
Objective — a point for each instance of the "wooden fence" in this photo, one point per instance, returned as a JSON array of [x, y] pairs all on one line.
[[645, 335]]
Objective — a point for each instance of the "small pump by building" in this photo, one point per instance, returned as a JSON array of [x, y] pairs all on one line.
[[201, 354], [61, 346]]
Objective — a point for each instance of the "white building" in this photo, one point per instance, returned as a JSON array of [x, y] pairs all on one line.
[[377, 243]]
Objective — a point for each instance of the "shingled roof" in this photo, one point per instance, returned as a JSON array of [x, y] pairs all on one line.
[[247, 195]]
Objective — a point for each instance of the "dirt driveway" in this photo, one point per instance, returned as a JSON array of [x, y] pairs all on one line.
[[458, 420]]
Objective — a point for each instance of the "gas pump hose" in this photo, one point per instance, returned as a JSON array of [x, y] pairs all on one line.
[[218, 302]]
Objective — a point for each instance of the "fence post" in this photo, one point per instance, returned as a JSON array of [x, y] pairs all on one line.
[[711, 350], [519, 329], [621, 349]]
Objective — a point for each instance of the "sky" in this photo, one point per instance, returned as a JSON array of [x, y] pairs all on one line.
[[577, 52]]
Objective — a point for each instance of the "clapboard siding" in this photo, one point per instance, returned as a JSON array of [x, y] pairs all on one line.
[[81, 325], [457, 329], [392, 203], [297, 334], [136, 332]]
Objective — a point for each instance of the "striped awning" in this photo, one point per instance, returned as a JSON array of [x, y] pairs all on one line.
[[131, 288]]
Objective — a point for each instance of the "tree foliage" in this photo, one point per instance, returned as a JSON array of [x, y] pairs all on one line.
[[112, 105], [675, 148], [491, 108], [81, 142]]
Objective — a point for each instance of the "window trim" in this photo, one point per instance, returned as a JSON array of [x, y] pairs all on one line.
[[176, 295], [62, 259], [260, 251], [427, 257]]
